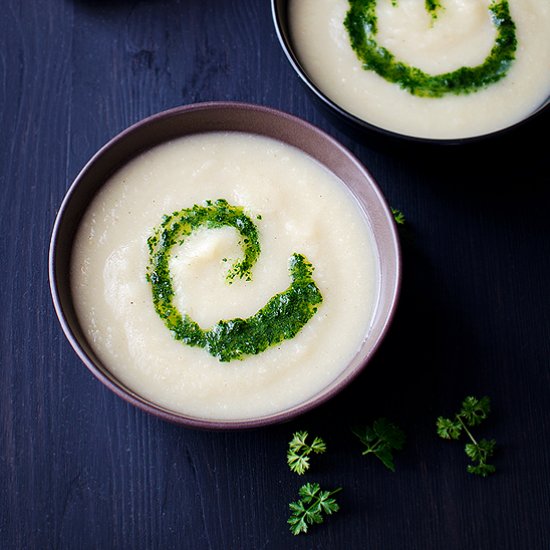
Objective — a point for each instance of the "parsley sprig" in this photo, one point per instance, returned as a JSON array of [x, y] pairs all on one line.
[[381, 439], [299, 450], [311, 506], [398, 216], [472, 413]]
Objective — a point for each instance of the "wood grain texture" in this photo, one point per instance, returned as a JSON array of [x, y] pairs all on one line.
[[82, 469]]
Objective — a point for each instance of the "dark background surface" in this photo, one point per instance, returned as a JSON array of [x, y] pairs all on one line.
[[82, 469]]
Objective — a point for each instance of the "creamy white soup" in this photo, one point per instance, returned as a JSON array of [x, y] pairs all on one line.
[[222, 231], [496, 50]]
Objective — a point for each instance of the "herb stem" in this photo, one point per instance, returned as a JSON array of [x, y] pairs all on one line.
[[466, 430], [374, 448]]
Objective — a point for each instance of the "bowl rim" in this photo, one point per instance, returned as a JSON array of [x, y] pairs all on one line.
[[102, 373], [282, 31]]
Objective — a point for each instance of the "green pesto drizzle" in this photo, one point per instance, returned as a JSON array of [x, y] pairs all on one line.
[[280, 319], [432, 7], [361, 25]]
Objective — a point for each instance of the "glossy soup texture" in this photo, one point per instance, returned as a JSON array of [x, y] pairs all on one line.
[[460, 33], [297, 206]]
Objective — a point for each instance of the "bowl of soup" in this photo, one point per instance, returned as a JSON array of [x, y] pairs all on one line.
[[224, 265], [443, 71]]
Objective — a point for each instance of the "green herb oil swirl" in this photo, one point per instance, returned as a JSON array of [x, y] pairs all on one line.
[[282, 317], [361, 25]]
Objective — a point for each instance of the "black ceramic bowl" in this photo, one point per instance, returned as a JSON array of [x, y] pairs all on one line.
[[200, 118], [350, 121]]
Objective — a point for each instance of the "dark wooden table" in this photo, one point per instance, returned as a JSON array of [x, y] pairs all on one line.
[[82, 469]]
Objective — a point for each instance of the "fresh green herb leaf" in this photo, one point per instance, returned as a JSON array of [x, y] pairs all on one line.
[[398, 216], [448, 429], [311, 506], [479, 453], [299, 450], [381, 439], [472, 413]]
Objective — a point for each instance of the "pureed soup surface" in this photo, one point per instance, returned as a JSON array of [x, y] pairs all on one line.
[[454, 35], [296, 205]]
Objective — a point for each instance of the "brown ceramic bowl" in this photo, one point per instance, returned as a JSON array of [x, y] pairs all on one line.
[[200, 118], [280, 16]]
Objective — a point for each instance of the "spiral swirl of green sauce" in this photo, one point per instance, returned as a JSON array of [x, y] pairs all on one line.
[[361, 25], [280, 319]]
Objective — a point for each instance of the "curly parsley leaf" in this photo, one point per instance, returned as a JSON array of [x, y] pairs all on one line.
[[479, 453], [381, 439], [472, 413], [310, 509], [448, 429], [299, 450], [398, 216]]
